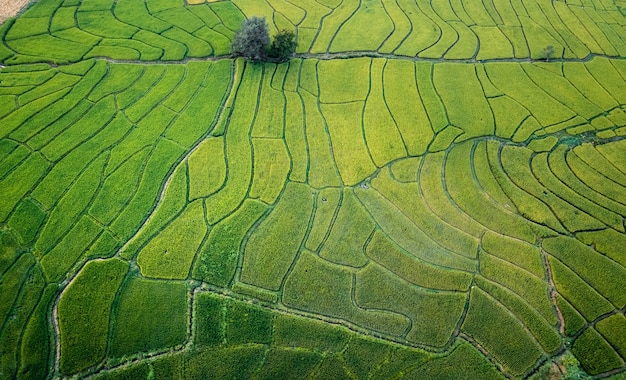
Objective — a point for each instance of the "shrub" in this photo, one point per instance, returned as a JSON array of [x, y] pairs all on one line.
[[283, 46], [252, 39]]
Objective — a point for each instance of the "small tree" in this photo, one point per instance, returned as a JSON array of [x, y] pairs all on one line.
[[548, 52], [283, 46], [252, 39]]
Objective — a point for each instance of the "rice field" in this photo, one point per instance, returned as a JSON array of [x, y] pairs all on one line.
[[424, 191]]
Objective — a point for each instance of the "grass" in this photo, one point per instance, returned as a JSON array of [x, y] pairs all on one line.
[[336, 80], [118, 78], [606, 242], [431, 190], [270, 118], [329, 25], [172, 77], [193, 78], [405, 105], [13, 277], [239, 153], [465, 104], [465, 46], [519, 253], [93, 121], [14, 325], [543, 173], [35, 350], [404, 232], [195, 47], [295, 137], [363, 356], [431, 100], [465, 193], [164, 155], [515, 83], [592, 178], [532, 289], [150, 76], [27, 220], [116, 192], [84, 314], [137, 14], [317, 286]]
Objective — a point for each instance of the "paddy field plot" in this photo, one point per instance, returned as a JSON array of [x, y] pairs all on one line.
[[420, 192]]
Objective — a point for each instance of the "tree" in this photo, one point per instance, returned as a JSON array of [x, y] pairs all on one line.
[[548, 52], [252, 39], [283, 46]]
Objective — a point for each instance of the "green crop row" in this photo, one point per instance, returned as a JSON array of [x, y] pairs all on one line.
[[219, 255], [239, 150], [433, 315], [317, 286], [271, 168], [85, 312], [207, 168], [149, 315], [71, 32], [595, 354], [384, 252], [406, 197], [274, 244], [170, 254], [326, 209], [601, 273], [485, 321], [15, 323], [347, 238], [408, 235]]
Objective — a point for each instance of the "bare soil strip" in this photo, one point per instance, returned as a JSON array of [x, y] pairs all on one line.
[[10, 8]]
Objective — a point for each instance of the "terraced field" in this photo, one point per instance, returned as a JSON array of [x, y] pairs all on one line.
[[420, 193]]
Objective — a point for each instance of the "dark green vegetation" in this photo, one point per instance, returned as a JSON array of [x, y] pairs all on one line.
[[383, 216]]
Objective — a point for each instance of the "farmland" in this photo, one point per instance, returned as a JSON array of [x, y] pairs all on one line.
[[426, 190]]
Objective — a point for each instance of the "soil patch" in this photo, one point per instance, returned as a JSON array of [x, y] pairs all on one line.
[[10, 8]]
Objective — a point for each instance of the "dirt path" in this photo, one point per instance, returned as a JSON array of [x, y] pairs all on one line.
[[10, 8]]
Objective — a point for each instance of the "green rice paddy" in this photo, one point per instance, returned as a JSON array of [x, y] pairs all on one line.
[[422, 192]]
